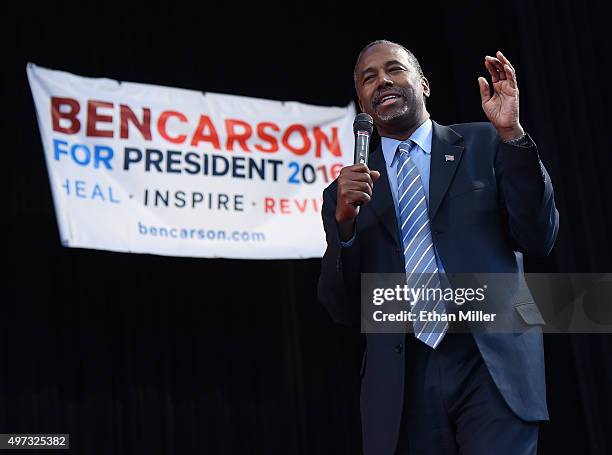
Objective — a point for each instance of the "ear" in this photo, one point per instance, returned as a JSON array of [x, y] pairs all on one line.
[[425, 85], [361, 106]]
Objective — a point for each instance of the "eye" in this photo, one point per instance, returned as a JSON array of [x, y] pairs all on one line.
[[368, 78], [396, 69]]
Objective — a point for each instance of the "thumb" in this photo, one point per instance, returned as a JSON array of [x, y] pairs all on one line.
[[374, 175], [485, 93]]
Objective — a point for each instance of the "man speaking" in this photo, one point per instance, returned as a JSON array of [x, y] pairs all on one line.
[[441, 199]]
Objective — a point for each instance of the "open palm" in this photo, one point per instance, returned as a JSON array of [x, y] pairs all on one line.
[[502, 106]]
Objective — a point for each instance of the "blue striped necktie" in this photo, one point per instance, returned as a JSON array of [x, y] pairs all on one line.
[[419, 253]]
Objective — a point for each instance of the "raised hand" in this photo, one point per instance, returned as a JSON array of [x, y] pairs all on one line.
[[502, 106]]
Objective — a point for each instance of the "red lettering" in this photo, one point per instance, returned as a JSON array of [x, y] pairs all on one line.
[[200, 136], [332, 145], [161, 126], [284, 206], [269, 205], [301, 208], [266, 137], [127, 116], [302, 131], [233, 136], [93, 118], [71, 115]]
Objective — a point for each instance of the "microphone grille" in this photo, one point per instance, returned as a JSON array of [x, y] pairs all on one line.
[[363, 122]]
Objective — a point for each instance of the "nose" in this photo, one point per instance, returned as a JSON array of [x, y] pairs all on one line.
[[384, 79]]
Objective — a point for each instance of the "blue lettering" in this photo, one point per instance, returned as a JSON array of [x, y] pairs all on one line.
[[67, 186], [110, 196], [75, 156], [97, 192], [103, 154], [80, 154], [79, 188], [57, 151]]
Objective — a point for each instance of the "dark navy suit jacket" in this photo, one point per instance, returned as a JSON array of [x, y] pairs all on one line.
[[490, 201]]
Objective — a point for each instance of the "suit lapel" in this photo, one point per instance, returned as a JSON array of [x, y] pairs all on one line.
[[445, 158], [382, 201]]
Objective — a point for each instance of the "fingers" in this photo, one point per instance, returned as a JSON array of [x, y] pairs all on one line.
[[357, 168], [360, 172], [494, 71], [357, 172], [508, 69], [352, 197], [374, 175], [352, 185], [355, 186], [510, 75], [504, 60], [485, 93], [501, 69]]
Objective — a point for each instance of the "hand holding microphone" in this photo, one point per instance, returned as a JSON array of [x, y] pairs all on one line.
[[356, 182]]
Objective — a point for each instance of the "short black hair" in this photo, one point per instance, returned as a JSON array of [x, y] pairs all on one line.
[[411, 58]]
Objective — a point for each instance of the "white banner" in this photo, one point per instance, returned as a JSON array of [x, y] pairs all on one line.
[[148, 169]]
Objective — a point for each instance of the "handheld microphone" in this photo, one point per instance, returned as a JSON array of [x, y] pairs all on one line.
[[362, 127]]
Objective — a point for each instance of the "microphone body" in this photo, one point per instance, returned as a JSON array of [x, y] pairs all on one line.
[[362, 147], [362, 127]]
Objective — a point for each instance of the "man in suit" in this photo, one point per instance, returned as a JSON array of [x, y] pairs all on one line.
[[442, 199]]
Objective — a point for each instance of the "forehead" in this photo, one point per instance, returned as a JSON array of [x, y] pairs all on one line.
[[380, 54]]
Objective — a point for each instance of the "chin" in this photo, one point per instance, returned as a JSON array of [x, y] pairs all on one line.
[[393, 115]]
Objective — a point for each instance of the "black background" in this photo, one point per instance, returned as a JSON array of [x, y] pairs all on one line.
[[144, 354]]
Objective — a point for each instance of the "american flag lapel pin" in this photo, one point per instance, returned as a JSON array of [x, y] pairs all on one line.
[[449, 157]]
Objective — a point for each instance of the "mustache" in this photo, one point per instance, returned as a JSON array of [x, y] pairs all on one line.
[[386, 92]]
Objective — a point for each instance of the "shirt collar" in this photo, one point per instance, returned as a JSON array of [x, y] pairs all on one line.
[[422, 137]]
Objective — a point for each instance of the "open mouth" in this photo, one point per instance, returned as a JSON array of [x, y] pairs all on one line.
[[387, 100]]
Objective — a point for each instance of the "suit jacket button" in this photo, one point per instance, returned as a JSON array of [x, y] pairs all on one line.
[[398, 348]]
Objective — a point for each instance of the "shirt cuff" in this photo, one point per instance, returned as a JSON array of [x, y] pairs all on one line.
[[348, 243], [523, 141]]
